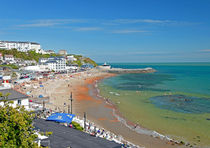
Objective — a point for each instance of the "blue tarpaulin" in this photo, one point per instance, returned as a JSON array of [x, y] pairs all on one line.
[[40, 96], [41, 85], [61, 117]]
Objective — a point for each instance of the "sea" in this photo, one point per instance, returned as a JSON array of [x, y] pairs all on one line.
[[174, 100]]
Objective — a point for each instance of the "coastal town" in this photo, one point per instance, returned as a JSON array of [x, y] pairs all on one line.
[[48, 86], [105, 74]]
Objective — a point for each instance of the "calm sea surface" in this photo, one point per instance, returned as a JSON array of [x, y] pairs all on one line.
[[174, 101]]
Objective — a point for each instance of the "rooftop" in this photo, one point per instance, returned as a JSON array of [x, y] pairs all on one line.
[[14, 95], [63, 137], [51, 61], [19, 42]]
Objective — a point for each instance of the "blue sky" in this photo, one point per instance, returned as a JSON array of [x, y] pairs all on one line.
[[113, 30]]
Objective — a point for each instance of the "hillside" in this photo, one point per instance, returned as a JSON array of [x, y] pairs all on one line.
[[84, 60], [32, 55]]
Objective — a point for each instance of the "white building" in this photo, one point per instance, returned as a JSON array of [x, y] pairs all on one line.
[[15, 96], [43, 60], [8, 58], [1, 57], [41, 51], [56, 64], [37, 68], [6, 82], [20, 46], [30, 62], [49, 51], [62, 52], [71, 58]]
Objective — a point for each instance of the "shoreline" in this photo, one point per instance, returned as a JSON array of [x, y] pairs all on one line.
[[139, 129], [86, 99], [152, 136]]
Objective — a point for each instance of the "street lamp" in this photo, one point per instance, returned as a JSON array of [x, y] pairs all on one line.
[[43, 105], [85, 117], [64, 105], [71, 101]]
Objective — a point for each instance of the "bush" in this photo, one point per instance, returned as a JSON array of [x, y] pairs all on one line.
[[11, 66], [77, 126]]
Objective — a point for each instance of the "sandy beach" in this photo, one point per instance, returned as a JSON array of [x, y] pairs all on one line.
[[86, 98]]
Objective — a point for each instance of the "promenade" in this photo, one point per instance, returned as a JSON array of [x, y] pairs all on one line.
[[64, 137]]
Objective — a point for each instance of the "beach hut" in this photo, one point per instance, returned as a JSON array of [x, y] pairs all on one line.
[[61, 117]]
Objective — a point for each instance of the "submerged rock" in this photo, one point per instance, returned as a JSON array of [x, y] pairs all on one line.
[[182, 103]]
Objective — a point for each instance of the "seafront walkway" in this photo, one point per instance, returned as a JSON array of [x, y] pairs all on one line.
[[64, 137]]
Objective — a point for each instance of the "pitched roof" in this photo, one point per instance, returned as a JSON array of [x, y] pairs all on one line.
[[51, 61], [14, 95]]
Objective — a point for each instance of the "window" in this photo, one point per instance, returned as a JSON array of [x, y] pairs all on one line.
[[19, 102]]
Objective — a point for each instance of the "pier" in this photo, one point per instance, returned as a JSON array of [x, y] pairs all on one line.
[[121, 70]]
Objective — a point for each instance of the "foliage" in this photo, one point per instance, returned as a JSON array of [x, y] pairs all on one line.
[[30, 55], [16, 126], [45, 133], [48, 133], [182, 143], [78, 56], [90, 61], [77, 126], [14, 74], [80, 60], [11, 66]]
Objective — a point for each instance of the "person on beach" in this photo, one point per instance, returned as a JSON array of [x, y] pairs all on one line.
[[106, 137], [98, 131], [135, 126], [94, 129]]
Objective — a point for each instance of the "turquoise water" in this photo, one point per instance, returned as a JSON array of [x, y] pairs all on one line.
[[191, 78], [177, 95]]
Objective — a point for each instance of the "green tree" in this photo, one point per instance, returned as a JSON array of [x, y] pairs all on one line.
[[14, 75], [90, 61], [16, 126]]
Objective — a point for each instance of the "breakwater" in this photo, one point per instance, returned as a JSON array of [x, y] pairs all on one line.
[[122, 70]]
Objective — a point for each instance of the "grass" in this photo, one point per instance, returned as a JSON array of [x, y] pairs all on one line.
[[77, 126]]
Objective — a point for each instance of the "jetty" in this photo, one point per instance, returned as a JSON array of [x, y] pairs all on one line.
[[122, 70]]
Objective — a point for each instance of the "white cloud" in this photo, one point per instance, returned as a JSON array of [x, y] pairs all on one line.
[[205, 50], [88, 29], [50, 22], [132, 21], [128, 31]]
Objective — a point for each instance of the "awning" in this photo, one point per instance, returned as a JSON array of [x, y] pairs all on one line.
[[61, 117]]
